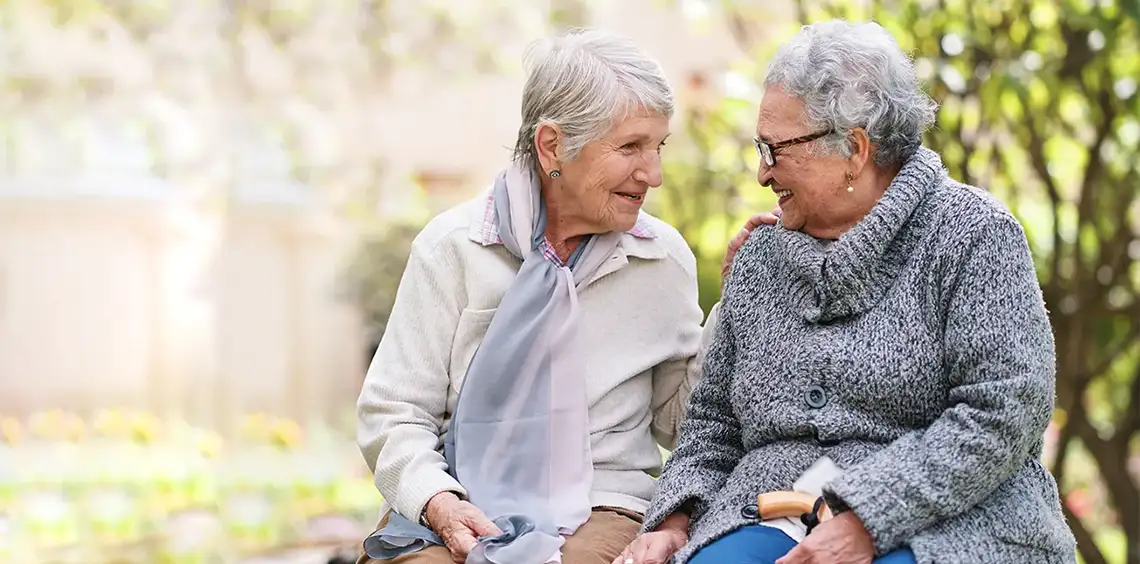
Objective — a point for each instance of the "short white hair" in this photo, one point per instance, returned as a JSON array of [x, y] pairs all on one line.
[[585, 82], [855, 75]]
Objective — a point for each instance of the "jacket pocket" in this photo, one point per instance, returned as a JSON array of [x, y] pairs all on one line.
[[469, 334]]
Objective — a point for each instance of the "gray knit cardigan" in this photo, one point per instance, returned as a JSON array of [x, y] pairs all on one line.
[[915, 351]]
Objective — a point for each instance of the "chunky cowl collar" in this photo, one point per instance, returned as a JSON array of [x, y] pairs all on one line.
[[854, 272]]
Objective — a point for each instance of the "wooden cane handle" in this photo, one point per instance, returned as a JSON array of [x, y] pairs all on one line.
[[774, 505]]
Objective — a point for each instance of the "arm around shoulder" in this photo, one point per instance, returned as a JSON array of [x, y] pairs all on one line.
[[402, 404]]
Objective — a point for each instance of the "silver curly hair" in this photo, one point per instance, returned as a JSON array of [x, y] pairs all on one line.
[[855, 75]]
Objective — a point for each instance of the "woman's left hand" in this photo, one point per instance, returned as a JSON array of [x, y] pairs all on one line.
[[839, 540], [742, 236]]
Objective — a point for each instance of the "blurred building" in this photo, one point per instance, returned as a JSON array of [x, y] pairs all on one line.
[[180, 186]]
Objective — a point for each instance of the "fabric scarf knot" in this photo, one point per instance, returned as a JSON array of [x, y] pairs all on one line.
[[519, 440]]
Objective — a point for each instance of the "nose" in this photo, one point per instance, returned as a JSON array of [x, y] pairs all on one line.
[[764, 175], [649, 172]]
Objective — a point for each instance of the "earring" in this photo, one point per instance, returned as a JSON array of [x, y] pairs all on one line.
[[850, 188], [555, 174]]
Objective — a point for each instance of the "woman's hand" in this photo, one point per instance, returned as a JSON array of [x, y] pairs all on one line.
[[657, 547], [742, 236], [840, 540], [458, 523]]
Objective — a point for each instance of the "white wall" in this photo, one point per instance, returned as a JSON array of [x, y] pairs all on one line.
[[77, 297], [99, 307]]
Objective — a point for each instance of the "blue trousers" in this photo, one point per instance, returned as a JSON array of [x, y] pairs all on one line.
[[758, 544]]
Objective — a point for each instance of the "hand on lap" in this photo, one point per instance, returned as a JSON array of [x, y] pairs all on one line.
[[840, 540]]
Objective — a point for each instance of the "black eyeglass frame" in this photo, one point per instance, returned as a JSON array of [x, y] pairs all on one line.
[[767, 151]]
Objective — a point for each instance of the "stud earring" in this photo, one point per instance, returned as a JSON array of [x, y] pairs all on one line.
[[555, 174]]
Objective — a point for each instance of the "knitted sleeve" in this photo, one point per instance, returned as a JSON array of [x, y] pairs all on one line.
[[999, 360]]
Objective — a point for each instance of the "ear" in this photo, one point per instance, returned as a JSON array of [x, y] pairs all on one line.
[[548, 141], [860, 144]]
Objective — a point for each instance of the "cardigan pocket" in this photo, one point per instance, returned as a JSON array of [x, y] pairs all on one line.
[[469, 333]]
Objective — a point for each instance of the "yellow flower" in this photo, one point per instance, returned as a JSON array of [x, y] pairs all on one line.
[[145, 427], [10, 430], [255, 426], [110, 423], [209, 444], [74, 429], [56, 424], [286, 433]]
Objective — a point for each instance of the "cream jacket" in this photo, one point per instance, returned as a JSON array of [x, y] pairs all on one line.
[[640, 320]]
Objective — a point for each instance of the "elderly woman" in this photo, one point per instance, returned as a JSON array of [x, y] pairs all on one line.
[[543, 337], [885, 347]]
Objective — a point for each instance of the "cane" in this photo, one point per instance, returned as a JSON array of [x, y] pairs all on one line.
[[809, 509]]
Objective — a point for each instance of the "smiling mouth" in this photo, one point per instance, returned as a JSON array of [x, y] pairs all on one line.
[[783, 195], [632, 197]]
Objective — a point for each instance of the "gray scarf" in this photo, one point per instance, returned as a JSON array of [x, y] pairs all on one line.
[[519, 438]]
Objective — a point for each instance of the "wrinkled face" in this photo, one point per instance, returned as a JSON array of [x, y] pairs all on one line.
[[606, 185], [812, 186]]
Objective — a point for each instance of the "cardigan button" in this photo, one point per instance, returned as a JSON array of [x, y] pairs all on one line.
[[750, 511], [816, 397]]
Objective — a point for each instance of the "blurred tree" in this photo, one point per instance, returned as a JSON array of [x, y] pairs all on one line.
[[254, 77], [374, 273], [1039, 105], [710, 178], [568, 14], [313, 71]]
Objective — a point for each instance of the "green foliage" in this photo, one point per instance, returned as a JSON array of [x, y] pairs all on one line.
[[710, 185], [373, 271], [130, 487], [373, 274], [1039, 105]]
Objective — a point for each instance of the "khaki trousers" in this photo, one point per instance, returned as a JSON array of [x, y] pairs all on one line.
[[598, 541]]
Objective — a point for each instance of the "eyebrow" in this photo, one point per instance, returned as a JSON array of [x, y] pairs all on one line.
[[643, 137]]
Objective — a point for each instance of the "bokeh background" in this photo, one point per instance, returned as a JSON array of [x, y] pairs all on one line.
[[205, 208]]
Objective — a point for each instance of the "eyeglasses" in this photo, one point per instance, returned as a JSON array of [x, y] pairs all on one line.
[[767, 151]]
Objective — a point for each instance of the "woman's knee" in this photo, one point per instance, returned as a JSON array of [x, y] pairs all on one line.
[[754, 544], [601, 538], [429, 555]]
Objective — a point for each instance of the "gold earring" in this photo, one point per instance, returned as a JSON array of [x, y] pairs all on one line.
[[850, 188]]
